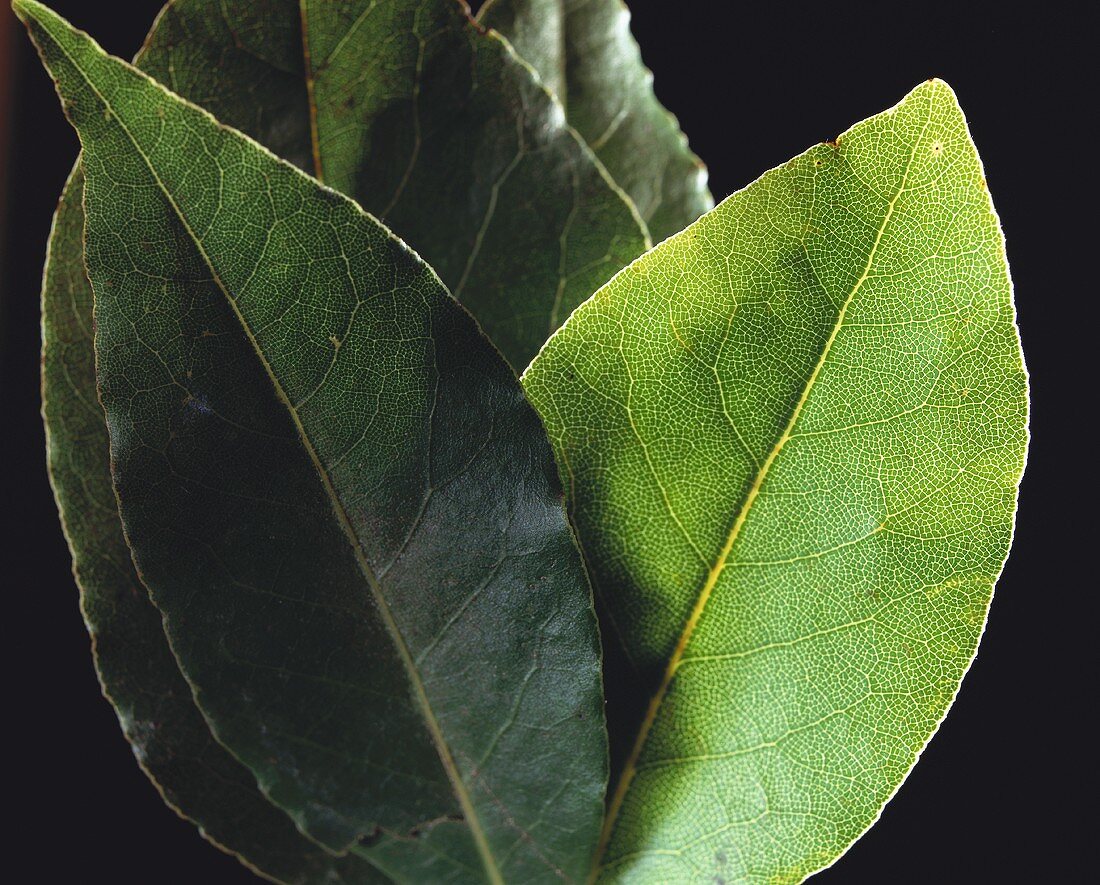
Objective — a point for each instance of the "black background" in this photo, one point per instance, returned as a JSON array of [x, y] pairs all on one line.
[[999, 794]]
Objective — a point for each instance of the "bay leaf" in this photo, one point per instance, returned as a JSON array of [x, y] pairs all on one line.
[[792, 437], [333, 489], [195, 775], [585, 54], [438, 128]]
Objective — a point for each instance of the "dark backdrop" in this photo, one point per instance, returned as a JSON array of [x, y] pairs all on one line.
[[993, 797]]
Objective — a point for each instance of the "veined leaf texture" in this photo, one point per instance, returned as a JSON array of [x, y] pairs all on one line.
[[298, 478], [790, 438], [584, 52]]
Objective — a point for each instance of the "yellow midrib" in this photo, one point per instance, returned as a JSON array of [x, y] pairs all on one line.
[[630, 767], [419, 690]]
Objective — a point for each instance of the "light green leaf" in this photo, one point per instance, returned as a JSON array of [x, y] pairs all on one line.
[[437, 128], [585, 54], [335, 493], [792, 437]]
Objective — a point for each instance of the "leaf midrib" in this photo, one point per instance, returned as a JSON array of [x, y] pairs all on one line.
[[420, 692], [630, 767]]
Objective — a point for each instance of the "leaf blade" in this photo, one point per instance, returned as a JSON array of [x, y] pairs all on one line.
[[196, 776], [436, 127], [192, 247], [586, 55], [859, 293]]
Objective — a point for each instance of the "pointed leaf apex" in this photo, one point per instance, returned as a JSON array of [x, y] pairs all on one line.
[[28, 11]]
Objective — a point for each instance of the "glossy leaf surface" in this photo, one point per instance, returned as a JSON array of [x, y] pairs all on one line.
[[171, 741], [333, 489], [585, 54], [196, 775], [792, 437]]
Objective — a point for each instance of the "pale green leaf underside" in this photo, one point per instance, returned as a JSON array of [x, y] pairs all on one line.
[[792, 437]]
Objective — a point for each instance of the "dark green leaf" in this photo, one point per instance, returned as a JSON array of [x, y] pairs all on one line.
[[333, 489], [793, 436], [585, 54], [436, 127], [171, 741], [242, 61]]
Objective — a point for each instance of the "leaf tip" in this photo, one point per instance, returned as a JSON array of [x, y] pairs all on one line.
[[28, 10], [936, 85], [39, 19]]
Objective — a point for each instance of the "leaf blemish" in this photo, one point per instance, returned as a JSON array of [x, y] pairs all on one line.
[[196, 405]]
